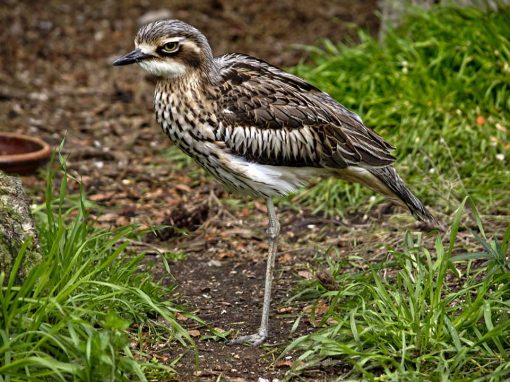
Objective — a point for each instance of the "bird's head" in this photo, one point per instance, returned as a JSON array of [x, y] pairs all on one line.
[[170, 49]]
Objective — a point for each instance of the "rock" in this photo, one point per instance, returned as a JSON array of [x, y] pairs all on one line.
[[160, 14], [16, 226]]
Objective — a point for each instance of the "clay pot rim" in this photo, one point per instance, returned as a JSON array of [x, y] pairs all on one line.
[[43, 153]]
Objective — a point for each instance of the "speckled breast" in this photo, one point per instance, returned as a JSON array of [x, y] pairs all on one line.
[[192, 129], [181, 119]]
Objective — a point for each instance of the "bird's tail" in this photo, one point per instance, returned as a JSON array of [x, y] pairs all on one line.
[[390, 178], [386, 181]]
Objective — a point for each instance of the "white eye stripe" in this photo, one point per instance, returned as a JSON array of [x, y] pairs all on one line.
[[174, 39], [149, 48]]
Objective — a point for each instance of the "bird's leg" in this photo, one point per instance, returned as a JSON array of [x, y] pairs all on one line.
[[273, 230]]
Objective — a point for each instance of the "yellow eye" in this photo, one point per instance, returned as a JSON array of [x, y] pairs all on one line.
[[170, 47]]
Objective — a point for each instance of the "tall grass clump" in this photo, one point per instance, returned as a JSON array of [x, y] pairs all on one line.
[[78, 313], [438, 88], [418, 316]]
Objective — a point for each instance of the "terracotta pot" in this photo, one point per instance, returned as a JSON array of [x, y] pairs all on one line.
[[21, 154]]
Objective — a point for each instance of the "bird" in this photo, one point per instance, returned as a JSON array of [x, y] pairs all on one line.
[[259, 130]]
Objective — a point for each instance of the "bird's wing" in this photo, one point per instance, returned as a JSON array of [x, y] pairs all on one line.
[[273, 117]]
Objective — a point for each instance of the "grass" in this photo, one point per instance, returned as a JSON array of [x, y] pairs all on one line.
[[438, 88], [78, 313], [417, 316], [179, 159]]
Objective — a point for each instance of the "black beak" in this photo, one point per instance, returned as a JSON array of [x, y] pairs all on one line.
[[135, 56]]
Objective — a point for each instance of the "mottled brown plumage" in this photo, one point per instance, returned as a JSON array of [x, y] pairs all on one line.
[[258, 129], [302, 125]]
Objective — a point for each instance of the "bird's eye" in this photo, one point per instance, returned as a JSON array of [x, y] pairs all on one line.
[[170, 47]]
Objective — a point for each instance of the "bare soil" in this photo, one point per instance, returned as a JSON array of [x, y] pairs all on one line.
[[56, 82]]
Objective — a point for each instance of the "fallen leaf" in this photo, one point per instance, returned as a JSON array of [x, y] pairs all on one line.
[[154, 194], [327, 280], [224, 255], [159, 357], [318, 310], [284, 363], [321, 308], [194, 333], [109, 217], [285, 258], [305, 274], [183, 188], [122, 221], [101, 196]]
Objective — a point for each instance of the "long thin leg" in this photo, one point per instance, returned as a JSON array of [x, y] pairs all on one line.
[[273, 230]]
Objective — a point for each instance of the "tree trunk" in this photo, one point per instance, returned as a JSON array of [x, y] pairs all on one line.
[[393, 10], [16, 226]]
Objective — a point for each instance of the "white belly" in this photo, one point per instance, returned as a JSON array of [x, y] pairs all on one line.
[[270, 180]]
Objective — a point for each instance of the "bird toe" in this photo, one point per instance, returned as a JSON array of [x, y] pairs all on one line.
[[251, 340]]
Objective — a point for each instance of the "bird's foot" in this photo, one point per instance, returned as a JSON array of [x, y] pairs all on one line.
[[251, 340]]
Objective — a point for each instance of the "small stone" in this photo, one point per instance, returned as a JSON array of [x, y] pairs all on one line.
[[214, 263]]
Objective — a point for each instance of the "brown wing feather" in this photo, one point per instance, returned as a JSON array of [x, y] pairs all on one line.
[[273, 117]]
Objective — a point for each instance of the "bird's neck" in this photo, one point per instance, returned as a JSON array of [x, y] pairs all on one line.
[[195, 81]]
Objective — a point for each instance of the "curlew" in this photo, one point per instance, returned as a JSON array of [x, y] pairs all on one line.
[[257, 129]]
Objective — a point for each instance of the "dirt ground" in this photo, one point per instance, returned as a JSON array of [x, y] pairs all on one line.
[[56, 81]]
